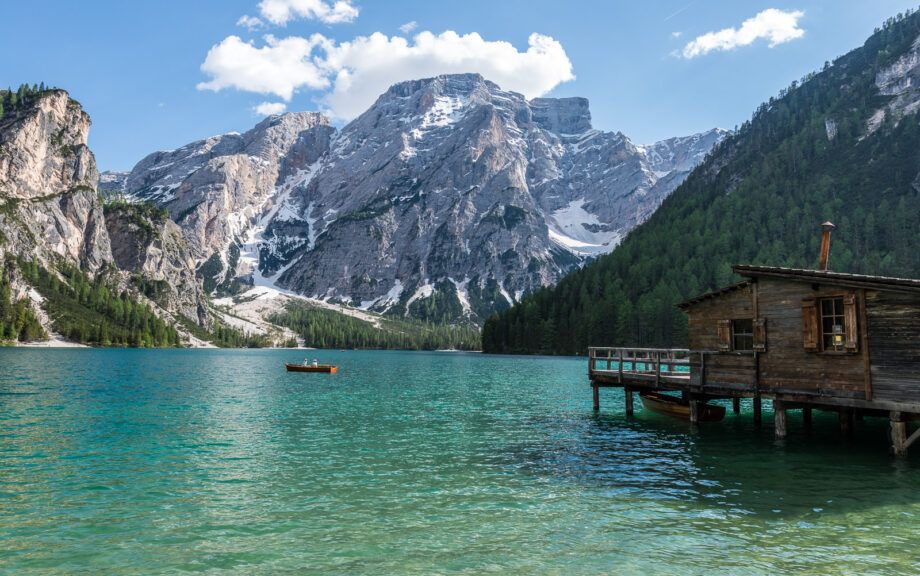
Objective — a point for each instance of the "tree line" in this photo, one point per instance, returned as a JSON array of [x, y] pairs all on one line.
[[11, 100], [322, 328]]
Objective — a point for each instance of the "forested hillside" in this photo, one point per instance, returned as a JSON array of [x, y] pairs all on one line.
[[842, 144], [321, 328]]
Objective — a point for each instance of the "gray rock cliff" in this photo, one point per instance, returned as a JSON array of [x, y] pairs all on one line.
[[50, 210], [48, 184]]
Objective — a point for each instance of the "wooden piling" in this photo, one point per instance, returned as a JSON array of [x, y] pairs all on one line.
[[694, 411], [629, 401], [779, 419], [736, 405], [597, 395], [757, 415], [898, 435], [846, 422], [806, 418]]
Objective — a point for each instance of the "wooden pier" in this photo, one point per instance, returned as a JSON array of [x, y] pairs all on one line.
[[665, 370], [639, 370]]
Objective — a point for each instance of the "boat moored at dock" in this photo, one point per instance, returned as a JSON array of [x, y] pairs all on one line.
[[674, 407]]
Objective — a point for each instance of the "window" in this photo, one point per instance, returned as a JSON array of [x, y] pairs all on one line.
[[743, 334], [833, 325], [830, 324]]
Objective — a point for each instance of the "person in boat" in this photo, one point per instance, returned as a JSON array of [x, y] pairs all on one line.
[[315, 362]]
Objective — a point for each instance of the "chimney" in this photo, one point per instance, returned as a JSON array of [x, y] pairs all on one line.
[[825, 244]]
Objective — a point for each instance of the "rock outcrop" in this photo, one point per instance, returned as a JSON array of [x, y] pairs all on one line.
[[217, 187], [48, 183], [152, 249], [50, 211]]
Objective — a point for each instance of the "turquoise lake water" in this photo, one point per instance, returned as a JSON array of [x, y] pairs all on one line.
[[220, 462]]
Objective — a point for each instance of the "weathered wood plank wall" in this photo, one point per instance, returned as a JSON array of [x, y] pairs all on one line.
[[894, 345]]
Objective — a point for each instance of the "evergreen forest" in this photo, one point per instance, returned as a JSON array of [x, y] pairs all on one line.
[[90, 311], [322, 328], [18, 322]]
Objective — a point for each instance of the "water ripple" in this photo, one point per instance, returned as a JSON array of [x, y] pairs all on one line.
[[219, 462]]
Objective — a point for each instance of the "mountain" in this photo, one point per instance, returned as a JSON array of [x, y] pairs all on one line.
[[448, 198], [48, 181], [842, 144], [73, 263]]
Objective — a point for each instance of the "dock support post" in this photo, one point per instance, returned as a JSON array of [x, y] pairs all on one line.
[[694, 411], [629, 401], [898, 435], [846, 422], [779, 412], [806, 418], [736, 405], [597, 395], [757, 417]]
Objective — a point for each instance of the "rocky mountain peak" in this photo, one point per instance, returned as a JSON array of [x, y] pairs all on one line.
[[682, 153], [443, 85], [217, 187], [43, 147], [562, 115]]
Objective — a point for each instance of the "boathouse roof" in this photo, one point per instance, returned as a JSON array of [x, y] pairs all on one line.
[[713, 294], [814, 276], [826, 276]]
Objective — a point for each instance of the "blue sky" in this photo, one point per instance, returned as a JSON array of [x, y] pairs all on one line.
[[137, 66]]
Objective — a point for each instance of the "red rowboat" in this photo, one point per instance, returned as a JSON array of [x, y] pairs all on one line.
[[327, 368], [676, 408]]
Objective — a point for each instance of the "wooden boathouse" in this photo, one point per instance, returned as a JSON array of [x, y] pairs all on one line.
[[804, 339]]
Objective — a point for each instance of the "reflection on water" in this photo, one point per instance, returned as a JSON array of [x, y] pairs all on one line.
[[126, 461]]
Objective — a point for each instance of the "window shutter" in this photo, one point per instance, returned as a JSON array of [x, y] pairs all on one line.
[[849, 321], [810, 324], [725, 335], [760, 334]]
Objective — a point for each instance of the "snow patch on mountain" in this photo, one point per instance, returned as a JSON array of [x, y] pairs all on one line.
[[579, 231], [463, 294], [255, 235], [423, 291]]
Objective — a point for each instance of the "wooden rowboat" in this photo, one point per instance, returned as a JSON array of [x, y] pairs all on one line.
[[676, 408], [327, 368]]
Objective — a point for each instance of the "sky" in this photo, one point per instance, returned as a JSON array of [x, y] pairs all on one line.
[[158, 75]]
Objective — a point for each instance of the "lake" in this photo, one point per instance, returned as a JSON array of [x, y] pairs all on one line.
[[220, 462]]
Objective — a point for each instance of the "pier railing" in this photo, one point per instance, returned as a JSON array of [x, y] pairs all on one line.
[[645, 363], [687, 369]]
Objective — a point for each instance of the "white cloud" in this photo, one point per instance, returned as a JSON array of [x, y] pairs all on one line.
[[280, 12], [250, 22], [269, 108], [367, 66], [353, 74], [280, 67], [676, 34], [409, 27], [776, 25]]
